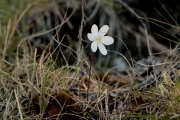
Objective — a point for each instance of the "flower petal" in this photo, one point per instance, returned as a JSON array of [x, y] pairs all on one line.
[[91, 37], [104, 29], [94, 30], [107, 40], [102, 48], [94, 46]]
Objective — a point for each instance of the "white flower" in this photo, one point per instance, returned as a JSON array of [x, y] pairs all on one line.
[[98, 38]]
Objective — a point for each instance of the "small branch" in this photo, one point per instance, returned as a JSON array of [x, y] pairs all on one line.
[[92, 54]]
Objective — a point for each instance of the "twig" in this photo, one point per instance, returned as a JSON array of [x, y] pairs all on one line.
[[79, 50], [92, 54]]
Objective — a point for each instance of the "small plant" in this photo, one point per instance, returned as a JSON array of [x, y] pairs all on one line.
[[98, 41]]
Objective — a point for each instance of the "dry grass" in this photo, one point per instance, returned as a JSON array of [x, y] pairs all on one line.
[[39, 81]]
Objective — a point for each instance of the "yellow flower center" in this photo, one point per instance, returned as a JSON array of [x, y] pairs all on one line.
[[99, 38]]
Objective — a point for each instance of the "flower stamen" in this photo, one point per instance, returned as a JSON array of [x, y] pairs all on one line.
[[99, 38]]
